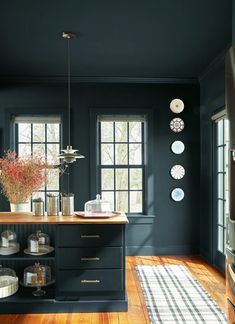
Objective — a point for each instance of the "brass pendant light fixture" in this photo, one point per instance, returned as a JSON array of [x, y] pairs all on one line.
[[69, 155]]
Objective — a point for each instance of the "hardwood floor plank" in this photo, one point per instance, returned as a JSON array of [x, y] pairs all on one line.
[[210, 278]]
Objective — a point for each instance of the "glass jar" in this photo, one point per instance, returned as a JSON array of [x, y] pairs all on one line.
[[97, 206]]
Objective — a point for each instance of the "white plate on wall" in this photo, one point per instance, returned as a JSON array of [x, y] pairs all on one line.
[[177, 147], [177, 106], [177, 172], [177, 194], [177, 125]]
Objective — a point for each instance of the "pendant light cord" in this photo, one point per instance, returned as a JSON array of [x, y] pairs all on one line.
[[69, 90]]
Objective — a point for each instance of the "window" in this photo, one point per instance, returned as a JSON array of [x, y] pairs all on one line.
[[40, 136], [221, 168], [121, 161]]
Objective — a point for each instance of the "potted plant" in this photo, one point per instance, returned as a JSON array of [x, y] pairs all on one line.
[[19, 177]]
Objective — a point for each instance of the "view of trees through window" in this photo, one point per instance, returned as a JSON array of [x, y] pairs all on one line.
[[43, 140], [122, 164]]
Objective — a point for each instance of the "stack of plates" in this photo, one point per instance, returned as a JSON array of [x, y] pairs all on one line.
[[9, 250], [8, 286]]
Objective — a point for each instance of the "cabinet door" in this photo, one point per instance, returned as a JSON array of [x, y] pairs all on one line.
[[89, 235], [89, 258]]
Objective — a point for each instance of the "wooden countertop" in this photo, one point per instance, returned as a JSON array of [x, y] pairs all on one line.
[[28, 218]]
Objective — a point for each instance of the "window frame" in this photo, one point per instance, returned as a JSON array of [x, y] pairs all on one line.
[[127, 166], [148, 207], [45, 143]]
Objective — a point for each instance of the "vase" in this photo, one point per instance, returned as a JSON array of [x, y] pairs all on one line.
[[20, 207]]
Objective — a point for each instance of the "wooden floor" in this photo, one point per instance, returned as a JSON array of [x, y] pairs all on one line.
[[210, 278]]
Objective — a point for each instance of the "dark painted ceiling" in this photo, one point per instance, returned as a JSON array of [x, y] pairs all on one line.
[[125, 38]]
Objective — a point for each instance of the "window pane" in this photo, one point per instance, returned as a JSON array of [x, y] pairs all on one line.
[[136, 202], [122, 201], [221, 212], [24, 132], [121, 179], [39, 150], [38, 194], [136, 179], [220, 159], [39, 133], [53, 150], [120, 131], [107, 179], [220, 238], [107, 154], [135, 154], [220, 133], [106, 131], [121, 153], [135, 132], [220, 186], [24, 149], [53, 132], [109, 196], [53, 179]]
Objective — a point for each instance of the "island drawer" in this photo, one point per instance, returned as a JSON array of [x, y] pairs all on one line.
[[87, 258], [72, 281], [89, 235]]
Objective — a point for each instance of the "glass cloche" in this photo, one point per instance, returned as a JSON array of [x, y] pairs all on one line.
[[9, 282], [8, 243], [38, 276], [38, 243], [97, 206]]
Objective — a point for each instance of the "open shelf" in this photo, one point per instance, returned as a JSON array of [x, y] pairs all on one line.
[[22, 256]]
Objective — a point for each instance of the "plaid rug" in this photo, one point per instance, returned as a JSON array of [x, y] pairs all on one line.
[[173, 295]]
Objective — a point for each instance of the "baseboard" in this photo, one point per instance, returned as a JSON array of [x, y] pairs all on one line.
[[168, 250]]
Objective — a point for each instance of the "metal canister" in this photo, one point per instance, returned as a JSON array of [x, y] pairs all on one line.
[[52, 205], [38, 208], [67, 205]]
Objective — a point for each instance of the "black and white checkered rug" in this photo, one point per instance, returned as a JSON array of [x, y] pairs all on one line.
[[173, 296]]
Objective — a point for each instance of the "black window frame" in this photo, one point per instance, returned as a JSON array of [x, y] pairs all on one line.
[[149, 209]]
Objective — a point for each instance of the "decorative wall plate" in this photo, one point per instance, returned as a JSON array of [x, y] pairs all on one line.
[[177, 194], [177, 125], [177, 106], [177, 172], [177, 147]]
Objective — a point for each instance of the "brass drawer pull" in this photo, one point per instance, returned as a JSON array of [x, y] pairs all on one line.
[[90, 281], [90, 259], [90, 236]]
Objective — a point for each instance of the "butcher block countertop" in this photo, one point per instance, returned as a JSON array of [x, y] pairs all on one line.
[[29, 218]]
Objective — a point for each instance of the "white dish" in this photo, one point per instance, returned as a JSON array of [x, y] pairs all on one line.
[[177, 147], [177, 125], [177, 106], [177, 172], [9, 250], [177, 194], [45, 249]]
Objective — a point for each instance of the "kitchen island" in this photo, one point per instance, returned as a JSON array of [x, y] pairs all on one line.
[[88, 263]]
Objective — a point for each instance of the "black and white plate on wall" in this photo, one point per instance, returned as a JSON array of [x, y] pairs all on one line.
[[177, 147], [177, 125], [177, 106], [177, 172], [177, 194]]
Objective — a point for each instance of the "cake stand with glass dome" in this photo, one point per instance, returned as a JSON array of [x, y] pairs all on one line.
[[37, 276]]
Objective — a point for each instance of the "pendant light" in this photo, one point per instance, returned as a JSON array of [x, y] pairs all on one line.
[[69, 155]]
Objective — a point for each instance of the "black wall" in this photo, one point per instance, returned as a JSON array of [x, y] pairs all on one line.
[[172, 228], [212, 89]]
